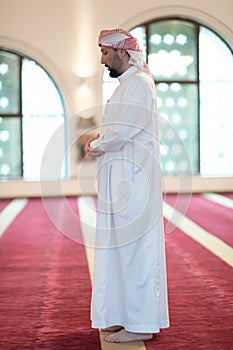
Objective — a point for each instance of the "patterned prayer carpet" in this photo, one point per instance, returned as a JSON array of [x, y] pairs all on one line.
[[45, 285], [4, 203], [229, 195], [200, 284]]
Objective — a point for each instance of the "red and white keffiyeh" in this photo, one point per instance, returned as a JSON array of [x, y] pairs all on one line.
[[121, 39]]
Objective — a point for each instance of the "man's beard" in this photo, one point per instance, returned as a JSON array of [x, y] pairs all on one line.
[[113, 73]]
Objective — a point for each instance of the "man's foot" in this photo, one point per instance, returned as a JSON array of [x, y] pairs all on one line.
[[124, 336], [112, 329]]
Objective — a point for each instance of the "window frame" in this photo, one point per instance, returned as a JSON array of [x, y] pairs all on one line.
[[196, 81], [20, 57]]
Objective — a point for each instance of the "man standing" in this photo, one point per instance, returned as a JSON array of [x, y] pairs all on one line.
[[129, 296]]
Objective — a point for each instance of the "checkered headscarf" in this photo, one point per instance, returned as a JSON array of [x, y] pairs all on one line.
[[121, 39]]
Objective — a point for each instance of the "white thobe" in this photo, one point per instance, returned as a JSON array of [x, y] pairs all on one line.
[[129, 284]]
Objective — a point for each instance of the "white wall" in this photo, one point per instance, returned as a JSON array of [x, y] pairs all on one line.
[[62, 36]]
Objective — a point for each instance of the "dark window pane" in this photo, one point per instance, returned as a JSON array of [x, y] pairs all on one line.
[[9, 83], [172, 50], [10, 147]]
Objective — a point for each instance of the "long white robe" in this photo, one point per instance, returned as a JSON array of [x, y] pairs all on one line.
[[129, 285]]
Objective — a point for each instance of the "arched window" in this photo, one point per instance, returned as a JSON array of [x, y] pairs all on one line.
[[31, 109], [193, 70]]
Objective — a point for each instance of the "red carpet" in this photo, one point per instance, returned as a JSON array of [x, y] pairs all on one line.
[[211, 216], [200, 298], [228, 195], [200, 284], [45, 286], [4, 203]]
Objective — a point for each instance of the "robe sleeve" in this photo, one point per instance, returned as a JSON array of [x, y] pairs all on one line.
[[126, 118]]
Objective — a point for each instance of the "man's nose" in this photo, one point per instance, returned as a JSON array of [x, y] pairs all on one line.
[[102, 60]]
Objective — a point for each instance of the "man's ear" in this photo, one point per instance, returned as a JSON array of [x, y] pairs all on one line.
[[126, 53], [122, 53]]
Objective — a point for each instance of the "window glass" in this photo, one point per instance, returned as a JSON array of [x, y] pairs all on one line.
[[216, 129], [31, 116], [193, 70], [140, 34], [172, 50], [43, 114], [10, 147], [216, 107], [216, 60], [9, 83], [178, 124], [40, 95]]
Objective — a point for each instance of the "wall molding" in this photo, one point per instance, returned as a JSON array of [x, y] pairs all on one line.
[[23, 48], [181, 11], [86, 185]]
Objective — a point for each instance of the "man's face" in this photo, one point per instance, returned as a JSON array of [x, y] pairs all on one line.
[[110, 58]]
